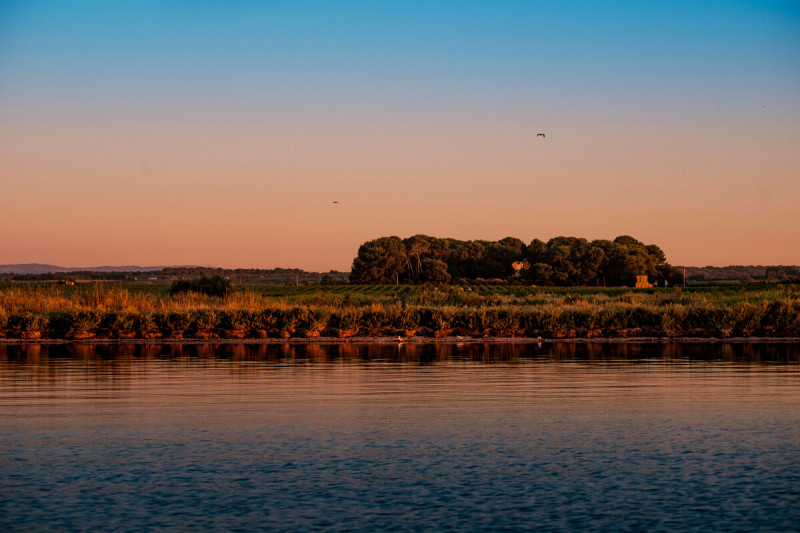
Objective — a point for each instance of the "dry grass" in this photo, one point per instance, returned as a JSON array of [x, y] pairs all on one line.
[[768, 310], [47, 299]]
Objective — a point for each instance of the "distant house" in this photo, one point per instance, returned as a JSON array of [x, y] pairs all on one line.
[[642, 283], [519, 266]]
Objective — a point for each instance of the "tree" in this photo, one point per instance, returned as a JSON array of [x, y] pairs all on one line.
[[592, 262], [415, 248], [434, 271], [465, 259], [381, 260], [536, 251], [670, 274], [540, 274]]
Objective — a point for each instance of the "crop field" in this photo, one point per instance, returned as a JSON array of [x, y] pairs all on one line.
[[149, 311]]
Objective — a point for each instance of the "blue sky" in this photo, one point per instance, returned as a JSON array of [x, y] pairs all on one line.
[[606, 57]]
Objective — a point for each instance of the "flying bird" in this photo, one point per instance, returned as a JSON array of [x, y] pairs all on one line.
[[540, 135], [336, 201]]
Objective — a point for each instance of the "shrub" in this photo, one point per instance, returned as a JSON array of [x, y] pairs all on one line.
[[782, 315], [211, 286], [144, 321], [266, 319], [704, 317], [501, 318], [374, 318], [672, 317], [310, 318], [403, 317], [203, 319], [470, 318], [344, 319], [84, 320], [285, 320], [27, 321], [436, 318], [531, 318], [117, 320], [175, 320]]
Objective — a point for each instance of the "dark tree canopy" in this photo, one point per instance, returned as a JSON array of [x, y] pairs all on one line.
[[381, 261], [212, 286], [563, 261]]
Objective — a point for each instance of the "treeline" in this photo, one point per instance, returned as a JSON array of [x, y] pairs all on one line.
[[240, 275], [741, 272], [561, 261]]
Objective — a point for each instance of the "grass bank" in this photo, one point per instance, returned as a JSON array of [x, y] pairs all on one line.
[[131, 311]]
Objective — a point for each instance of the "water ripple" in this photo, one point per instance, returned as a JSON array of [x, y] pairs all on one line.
[[399, 438]]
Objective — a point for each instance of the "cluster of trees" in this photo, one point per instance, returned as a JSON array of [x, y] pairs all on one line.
[[742, 272], [563, 261], [783, 273]]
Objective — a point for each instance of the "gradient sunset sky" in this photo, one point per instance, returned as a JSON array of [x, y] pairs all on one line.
[[221, 133]]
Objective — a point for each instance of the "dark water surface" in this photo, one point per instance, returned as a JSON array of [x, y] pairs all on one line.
[[400, 437]]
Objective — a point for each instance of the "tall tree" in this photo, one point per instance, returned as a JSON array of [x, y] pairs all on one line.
[[381, 261]]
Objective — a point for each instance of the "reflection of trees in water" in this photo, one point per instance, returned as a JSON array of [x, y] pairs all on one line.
[[116, 364]]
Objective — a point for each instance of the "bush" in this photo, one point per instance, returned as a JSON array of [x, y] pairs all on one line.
[[84, 321], [436, 318], [213, 286], [470, 318], [672, 317], [144, 321], [266, 319], [344, 319], [27, 321], [502, 318], [175, 321], [746, 316], [404, 317], [310, 318], [232, 320], [117, 320], [374, 318], [782, 316], [203, 319]]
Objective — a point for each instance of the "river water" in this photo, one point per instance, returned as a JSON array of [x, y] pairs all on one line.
[[405, 437]]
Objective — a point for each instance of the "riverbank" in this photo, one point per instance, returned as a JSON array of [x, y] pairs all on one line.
[[408, 340], [129, 313]]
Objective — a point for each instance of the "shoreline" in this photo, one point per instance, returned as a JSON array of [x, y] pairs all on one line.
[[416, 340]]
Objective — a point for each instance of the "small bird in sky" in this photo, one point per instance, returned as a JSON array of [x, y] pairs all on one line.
[[336, 201], [540, 135]]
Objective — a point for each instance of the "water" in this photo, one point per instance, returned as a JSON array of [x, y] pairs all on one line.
[[400, 437]]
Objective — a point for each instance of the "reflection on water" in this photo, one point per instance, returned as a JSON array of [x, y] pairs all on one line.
[[400, 437]]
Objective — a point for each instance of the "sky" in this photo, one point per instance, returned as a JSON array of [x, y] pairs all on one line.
[[181, 132]]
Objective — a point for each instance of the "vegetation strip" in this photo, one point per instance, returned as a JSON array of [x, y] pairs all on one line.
[[103, 312]]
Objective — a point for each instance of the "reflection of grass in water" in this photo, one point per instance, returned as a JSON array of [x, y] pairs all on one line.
[[764, 310]]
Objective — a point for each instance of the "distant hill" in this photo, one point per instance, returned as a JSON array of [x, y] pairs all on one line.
[[38, 268]]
